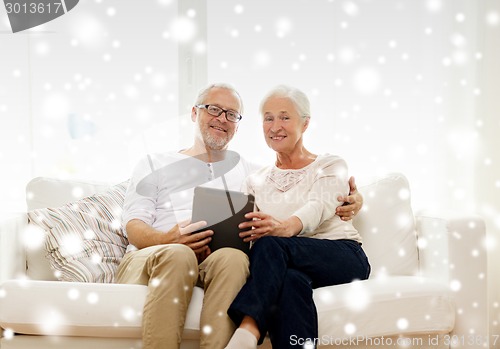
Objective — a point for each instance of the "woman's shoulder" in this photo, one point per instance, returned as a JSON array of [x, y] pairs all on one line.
[[261, 172], [330, 165], [329, 160]]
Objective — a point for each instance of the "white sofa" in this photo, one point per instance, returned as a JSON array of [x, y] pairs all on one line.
[[427, 288]]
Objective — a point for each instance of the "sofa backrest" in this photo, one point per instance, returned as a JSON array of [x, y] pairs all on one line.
[[386, 222], [387, 226], [44, 192]]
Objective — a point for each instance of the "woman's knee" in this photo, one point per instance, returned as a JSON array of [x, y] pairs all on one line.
[[295, 278], [269, 246], [267, 242]]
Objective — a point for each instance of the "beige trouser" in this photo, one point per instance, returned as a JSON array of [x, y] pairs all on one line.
[[171, 272]]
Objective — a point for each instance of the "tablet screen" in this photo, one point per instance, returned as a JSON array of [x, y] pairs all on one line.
[[223, 210]]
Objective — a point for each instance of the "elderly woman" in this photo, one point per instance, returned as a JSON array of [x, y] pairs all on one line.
[[299, 242]]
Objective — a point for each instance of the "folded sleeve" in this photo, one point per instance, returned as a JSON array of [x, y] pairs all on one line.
[[141, 195], [330, 182]]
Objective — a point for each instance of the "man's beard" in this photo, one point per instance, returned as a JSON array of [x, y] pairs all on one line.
[[214, 143]]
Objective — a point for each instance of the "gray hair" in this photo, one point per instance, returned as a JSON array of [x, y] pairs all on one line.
[[203, 93], [296, 96]]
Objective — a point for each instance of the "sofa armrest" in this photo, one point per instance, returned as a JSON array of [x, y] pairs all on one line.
[[12, 251], [452, 249]]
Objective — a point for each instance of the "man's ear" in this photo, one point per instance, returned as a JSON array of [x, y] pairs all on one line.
[[194, 114]]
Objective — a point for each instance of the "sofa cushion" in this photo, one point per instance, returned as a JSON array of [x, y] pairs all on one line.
[[85, 241], [370, 308], [82, 309], [42, 192], [384, 306], [387, 226]]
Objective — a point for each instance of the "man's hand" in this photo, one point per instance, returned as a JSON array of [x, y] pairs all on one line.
[[182, 233], [352, 203], [141, 235], [203, 255]]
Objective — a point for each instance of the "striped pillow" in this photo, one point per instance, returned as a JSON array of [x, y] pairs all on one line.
[[85, 240]]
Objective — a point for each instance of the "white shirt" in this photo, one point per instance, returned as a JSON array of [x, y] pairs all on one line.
[[309, 193], [161, 189]]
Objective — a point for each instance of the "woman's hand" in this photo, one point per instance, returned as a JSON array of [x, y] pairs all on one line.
[[262, 224], [352, 203]]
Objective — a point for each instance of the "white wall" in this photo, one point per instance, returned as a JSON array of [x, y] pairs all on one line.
[[407, 86], [76, 93]]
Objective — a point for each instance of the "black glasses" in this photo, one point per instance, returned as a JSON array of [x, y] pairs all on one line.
[[231, 115]]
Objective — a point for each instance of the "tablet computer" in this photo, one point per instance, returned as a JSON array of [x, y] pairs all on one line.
[[223, 210]]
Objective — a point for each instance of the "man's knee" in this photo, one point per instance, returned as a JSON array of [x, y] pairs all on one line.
[[230, 258], [174, 255], [229, 263]]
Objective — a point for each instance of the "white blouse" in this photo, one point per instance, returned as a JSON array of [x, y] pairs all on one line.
[[309, 193]]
